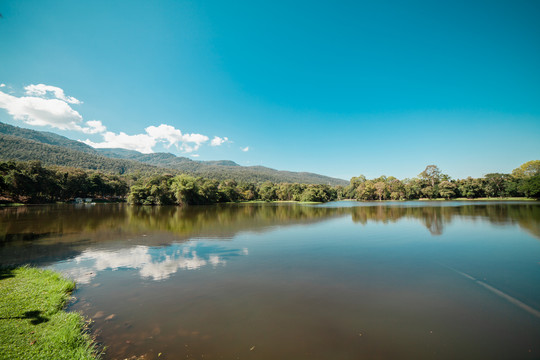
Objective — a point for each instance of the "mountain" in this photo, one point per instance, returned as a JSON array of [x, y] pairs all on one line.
[[21, 149], [161, 159], [51, 149], [45, 137]]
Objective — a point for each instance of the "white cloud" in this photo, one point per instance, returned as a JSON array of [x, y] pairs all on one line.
[[41, 112], [141, 142], [165, 132], [196, 139], [94, 127], [2, 85], [42, 90], [217, 141], [145, 142], [168, 133], [39, 109], [246, 149]]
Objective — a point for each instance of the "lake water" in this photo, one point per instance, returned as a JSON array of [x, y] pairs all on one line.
[[346, 280]]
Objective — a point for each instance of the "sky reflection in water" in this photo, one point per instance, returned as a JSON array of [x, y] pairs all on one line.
[[348, 280], [156, 263]]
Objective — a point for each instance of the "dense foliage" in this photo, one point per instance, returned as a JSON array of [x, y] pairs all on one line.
[[433, 184], [30, 182], [188, 190]]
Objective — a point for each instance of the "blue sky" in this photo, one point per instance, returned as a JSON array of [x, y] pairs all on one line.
[[337, 88]]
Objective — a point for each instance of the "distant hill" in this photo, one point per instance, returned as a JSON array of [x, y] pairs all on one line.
[[45, 137], [51, 149], [20, 149], [222, 169], [162, 159]]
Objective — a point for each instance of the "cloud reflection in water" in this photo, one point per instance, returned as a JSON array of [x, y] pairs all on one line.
[[156, 263]]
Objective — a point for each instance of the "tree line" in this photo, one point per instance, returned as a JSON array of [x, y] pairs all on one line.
[[188, 190], [30, 182], [432, 183]]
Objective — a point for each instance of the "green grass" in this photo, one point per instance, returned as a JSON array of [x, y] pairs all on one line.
[[32, 322]]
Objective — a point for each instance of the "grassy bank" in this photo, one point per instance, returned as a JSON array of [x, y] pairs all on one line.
[[32, 322]]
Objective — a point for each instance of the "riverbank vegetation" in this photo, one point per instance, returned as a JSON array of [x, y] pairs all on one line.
[[30, 182], [432, 183], [32, 323]]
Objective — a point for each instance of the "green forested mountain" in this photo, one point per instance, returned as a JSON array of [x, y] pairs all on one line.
[[52, 149], [161, 159], [45, 138], [222, 169], [20, 149]]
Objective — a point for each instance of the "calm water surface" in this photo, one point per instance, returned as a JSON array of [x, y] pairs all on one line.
[[449, 280]]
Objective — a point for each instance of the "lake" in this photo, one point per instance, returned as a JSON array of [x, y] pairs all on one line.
[[344, 280]]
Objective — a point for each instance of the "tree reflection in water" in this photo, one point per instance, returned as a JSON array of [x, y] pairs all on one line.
[[24, 224]]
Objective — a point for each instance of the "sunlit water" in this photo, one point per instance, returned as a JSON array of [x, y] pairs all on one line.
[[415, 280]]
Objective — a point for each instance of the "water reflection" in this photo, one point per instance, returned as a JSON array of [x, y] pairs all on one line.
[[43, 235], [24, 224], [291, 281], [155, 263]]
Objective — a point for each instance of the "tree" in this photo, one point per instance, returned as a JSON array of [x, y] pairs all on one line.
[[396, 188], [412, 188], [527, 170], [531, 187], [471, 188], [447, 189], [380, 190], [495, 184], [432, 174], [185, 190], [365, 191], [267, 191]]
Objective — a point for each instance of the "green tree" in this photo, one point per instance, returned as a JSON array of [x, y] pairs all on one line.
[[185, 189], [495, 184], [267, 191], [431, 174], [527, 170], [380, 190], [447, 189], [531, 187]]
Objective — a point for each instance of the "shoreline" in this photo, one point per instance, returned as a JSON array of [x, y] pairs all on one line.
[[7, 205]]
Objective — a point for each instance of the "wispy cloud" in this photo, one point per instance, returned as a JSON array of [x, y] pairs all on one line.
[[246, 149], [46, 105], [43, 90]]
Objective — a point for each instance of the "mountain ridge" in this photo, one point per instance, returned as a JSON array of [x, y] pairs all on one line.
[[19, 143]]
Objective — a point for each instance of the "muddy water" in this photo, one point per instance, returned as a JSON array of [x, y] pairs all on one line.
[[263, 281]]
